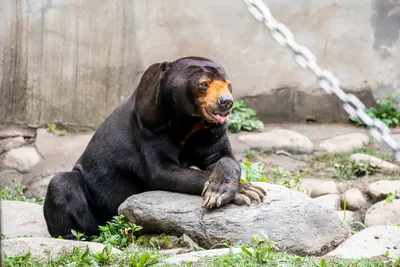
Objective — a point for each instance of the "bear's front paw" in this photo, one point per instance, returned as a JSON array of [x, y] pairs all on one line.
[[247, 193], [217, 192]]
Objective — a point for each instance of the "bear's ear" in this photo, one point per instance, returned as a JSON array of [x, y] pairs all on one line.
[[164, 66]]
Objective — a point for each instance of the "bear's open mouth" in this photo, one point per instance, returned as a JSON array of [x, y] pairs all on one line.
[[218, 118]]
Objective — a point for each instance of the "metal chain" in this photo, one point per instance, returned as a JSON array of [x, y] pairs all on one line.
[[326, 80]]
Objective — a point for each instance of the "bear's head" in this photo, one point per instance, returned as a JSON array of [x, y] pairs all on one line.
[[198, 87]]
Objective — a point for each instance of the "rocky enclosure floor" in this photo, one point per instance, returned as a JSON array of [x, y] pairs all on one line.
[[317, 171]]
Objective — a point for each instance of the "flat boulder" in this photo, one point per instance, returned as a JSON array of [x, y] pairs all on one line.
[[289, 217], [345, 143], [278, 139], [22, 219], [369, 243], [41, 247]]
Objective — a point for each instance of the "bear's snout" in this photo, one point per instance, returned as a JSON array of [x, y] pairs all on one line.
[[225, 102]]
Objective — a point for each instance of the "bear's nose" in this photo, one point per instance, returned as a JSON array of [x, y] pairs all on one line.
[[225, 102]]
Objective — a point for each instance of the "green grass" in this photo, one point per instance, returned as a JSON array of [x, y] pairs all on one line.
[[17, 193], [83, 258], [252, 154], [348, 170], [255, 172], [392, 196], [243, 119], [260, 252], [283, 259], [52, 128]]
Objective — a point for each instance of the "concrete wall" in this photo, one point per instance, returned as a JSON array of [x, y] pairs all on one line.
[[73, 61]]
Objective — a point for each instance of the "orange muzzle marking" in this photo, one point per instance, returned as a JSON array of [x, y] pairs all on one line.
[[216, 90]]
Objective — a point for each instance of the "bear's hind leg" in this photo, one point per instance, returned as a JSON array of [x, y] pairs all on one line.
[[66, 206]]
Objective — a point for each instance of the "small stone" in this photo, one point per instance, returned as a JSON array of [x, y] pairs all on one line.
[[14, 131], [380, 189], [365, 158], [347, 216], [355, 199], [278, 139], [383, 213], [371, 242], [10, 143], [316, 187], [345, 143], [22, 218], [190, 243], [174, 251], [330, 202], [21, 159], [196, 256], [10, 178], [39, 247]]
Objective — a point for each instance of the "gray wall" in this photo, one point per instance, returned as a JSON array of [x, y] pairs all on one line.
[[73, 61]]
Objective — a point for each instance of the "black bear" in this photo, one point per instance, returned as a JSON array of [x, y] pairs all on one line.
[[175, 119]]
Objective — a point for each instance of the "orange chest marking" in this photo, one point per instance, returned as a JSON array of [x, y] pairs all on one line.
[[197, 127]]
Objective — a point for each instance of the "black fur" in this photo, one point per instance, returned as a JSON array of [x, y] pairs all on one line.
[[141, 146]]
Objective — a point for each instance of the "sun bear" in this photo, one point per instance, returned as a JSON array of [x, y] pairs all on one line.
[[175, 119]]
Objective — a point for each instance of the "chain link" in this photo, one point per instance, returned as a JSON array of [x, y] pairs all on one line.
[[326, 80]]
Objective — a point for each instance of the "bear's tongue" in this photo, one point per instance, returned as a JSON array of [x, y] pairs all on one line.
[[221, 119]]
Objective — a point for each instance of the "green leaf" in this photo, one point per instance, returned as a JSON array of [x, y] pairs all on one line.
[[245, 250]]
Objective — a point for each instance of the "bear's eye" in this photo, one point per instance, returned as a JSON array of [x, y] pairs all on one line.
[[204, 85]]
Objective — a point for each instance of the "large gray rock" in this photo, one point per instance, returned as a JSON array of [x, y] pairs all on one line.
[[21, 159], [383, 213], [278, 139], [22, 218], [10, 143], [369, 243], [380, 189], [291, 218], [345, 143], [42, 247]]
